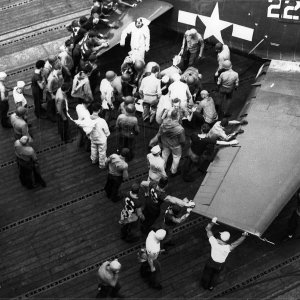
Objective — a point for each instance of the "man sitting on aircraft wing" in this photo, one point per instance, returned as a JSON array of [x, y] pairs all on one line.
[[218, 130], [201, 152]]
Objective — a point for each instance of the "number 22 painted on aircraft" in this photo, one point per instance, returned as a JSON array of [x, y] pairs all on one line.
[[274, 7]]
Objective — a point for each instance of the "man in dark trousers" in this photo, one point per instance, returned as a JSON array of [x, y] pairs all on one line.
[[131, 214], [108, 276], [157, 196], [28, 164], [220, 249], [127, 125], [117, 172]]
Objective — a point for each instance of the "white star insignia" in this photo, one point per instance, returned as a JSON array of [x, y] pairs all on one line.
[[214, 25]]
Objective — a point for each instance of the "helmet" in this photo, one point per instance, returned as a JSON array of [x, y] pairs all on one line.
[[139, 65], [21, 111], [52, 59], [225, 236], [128, 100], [219, 46], [227, 64], [110, 75], [130, 108], [160, 234], [115, 265], [125, 77]]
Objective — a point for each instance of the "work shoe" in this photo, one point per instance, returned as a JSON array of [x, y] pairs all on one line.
[[244, 122]]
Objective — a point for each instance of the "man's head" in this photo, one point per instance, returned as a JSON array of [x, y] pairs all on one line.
[[82, 20], [130, 108], [21, 111], [224, 122], [125, 77], [163, 182], [20, 86], [115, 266], [135, 188], [139, 23], [205, 128], [40, 64], [225, 236], [3, 76], [24, 140], [110, 75], [125, 152], [69, 44], [176, 103], [226, 64], [160, 234], [128, 100], [139, 65], [65, 87], [97, 2], [204, 94], [219, 47], [87, 69], [176, 209], [96, 107], [52, 59], [193, 32], [156, 150]]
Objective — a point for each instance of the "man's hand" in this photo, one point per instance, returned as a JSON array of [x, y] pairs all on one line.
[[122, 43], [245, 233], [188, 210], [214, 220]]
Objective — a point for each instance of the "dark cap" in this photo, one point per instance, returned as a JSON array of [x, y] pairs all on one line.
[[125, 152], [135, 188], [87, 68], [219, 46]]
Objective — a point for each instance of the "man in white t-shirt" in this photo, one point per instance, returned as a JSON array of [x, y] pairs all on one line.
[[220, 249]]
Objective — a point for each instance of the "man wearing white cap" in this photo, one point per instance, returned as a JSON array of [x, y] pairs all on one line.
[[156, 166], [18, 95], [108, 275], [153, 248], [220, 249], [4, 107]]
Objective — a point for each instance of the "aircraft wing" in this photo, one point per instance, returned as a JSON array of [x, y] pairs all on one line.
[[148, 9], [247, 186]]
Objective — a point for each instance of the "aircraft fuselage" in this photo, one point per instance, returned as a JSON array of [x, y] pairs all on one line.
[[266, 28]]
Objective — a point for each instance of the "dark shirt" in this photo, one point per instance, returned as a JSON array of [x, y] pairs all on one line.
[[130, 205], [155, 199], [198, 145], [36, 90], [95, 79]]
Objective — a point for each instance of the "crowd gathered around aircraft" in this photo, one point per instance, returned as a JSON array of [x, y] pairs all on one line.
[[173, 98]]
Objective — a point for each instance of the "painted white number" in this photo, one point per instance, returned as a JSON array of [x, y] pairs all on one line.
[[288, 8], [273, 7], [288, 11]]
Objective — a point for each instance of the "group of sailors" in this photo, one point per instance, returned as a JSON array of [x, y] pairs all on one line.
[[173, 98]]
